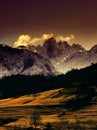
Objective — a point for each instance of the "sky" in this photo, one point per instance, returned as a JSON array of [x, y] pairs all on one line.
[[64, 18]]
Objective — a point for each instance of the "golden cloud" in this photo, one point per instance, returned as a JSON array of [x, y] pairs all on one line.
[[26, 40], [22, 40], [68, 39]]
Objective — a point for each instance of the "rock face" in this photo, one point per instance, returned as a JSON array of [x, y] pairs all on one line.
[[52, 49], [65, 57], [53, 55], [21, 61]]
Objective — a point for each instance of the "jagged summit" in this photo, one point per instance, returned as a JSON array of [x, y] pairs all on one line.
[[64, 56], [61, 55]]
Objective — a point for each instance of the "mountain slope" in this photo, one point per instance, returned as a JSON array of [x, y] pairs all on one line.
[[21, 61], [64, 56], [43, 98]]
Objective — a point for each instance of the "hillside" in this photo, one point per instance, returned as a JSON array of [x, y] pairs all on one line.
[[15, 61], [51, 97], [82, 82], [66, 101]]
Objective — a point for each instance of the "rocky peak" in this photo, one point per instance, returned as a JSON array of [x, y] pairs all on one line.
[[78, 47], [93, 49], [51, 47]]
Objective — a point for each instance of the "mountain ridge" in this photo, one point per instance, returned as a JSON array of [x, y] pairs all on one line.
[[22, 61], [60, 55], [65, 57]]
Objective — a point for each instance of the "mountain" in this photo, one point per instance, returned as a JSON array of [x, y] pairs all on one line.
[[45, 59], [64, 56], [21, 61], [53, 49], [93, 54]]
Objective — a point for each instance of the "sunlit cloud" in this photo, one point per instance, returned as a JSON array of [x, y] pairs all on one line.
[[68, 38], [47, 36], [22, 40], [26, 40], [40, 40]]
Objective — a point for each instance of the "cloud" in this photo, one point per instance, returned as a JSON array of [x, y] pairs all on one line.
[[47, 36], [22, 40], [26, 40], [40, 40], [68, 39]]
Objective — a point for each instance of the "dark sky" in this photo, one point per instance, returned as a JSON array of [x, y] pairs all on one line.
[[36, 17]]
